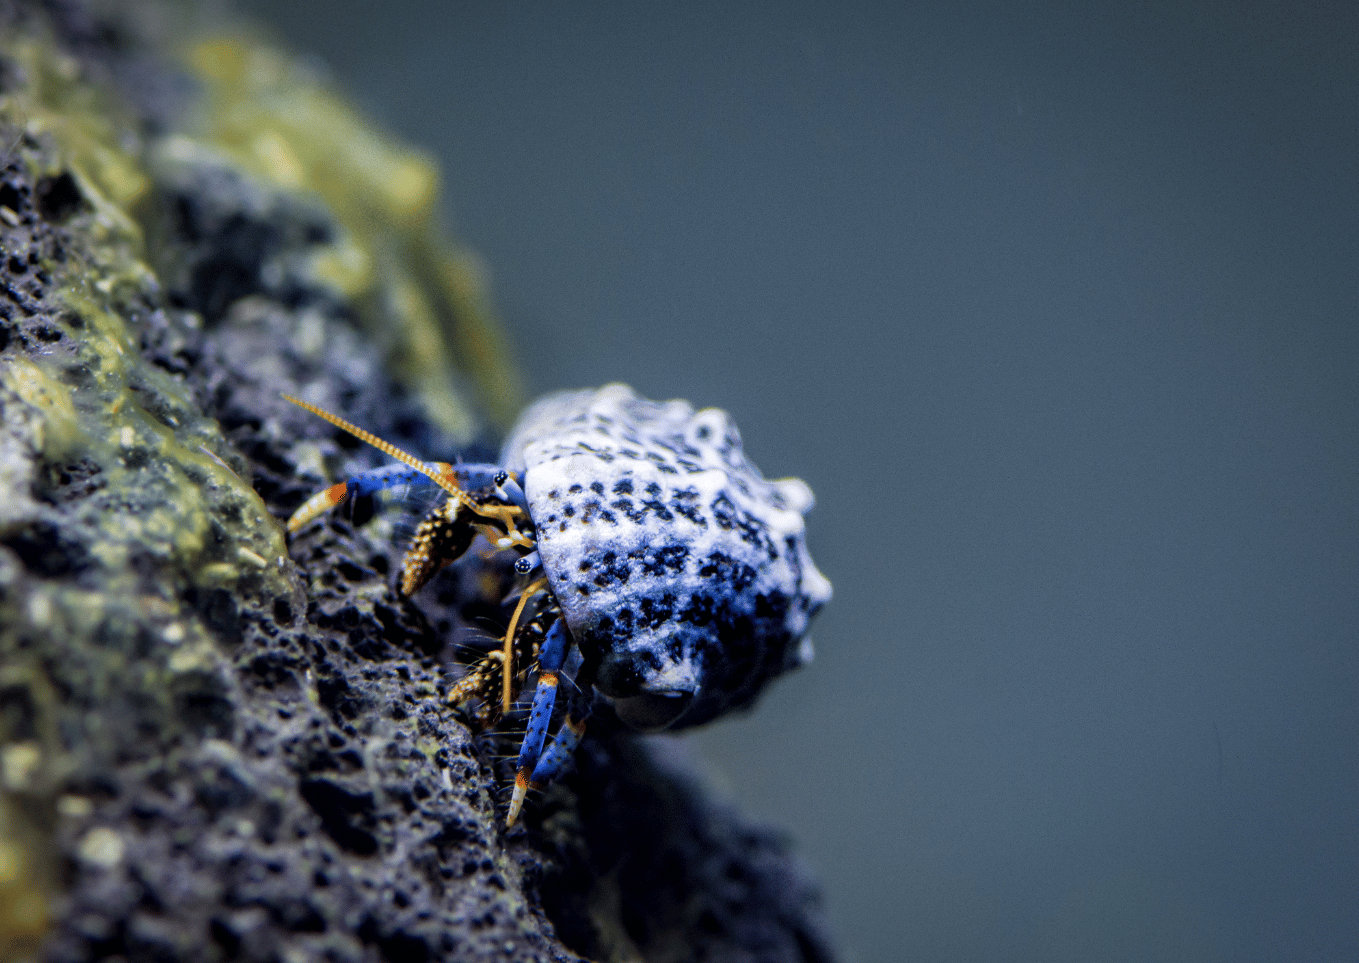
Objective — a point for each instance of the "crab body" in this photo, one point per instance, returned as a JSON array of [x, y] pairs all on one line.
[[650, 543]]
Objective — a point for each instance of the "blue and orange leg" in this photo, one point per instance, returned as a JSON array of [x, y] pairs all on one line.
[[551, 657], [558, 755], [366, 483]]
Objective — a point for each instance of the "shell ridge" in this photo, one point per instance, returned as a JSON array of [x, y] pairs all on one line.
[[664, 544]]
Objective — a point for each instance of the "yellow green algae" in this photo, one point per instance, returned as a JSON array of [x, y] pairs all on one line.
[[104, 418], [416, 292], [170, 471], [173, 494]]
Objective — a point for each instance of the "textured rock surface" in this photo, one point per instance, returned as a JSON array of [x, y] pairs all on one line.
[[215, 746]]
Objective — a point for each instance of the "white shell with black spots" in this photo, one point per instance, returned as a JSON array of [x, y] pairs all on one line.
[[667, 551]]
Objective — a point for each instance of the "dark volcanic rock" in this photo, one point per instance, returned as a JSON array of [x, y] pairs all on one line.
[[217, 745]]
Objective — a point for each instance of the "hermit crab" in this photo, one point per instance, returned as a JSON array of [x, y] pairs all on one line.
[[656, 561]]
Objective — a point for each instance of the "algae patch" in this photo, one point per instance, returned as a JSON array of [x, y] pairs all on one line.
[[161, 283], [416, 293]]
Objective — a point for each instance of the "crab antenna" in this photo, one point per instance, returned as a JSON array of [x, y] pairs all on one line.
[[387, 448], [507, 671]]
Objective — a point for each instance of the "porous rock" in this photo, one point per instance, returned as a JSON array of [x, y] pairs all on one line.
[[215, 745]]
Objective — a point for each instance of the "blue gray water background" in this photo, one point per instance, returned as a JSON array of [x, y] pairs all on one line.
[[1056, 310]]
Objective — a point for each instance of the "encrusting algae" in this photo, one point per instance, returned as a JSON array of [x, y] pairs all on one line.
[[132, 538], [276, 120]]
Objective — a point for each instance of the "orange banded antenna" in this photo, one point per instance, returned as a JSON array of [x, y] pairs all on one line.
[[507, 672], [386, 447]]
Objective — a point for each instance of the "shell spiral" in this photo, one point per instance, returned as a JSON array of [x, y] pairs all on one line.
[[666, 549]]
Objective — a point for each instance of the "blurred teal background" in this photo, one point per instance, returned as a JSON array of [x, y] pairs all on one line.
[[1055, 308]]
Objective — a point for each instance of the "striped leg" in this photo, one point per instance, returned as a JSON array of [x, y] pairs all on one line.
[[551, 656], [564, 744], [367, 483]]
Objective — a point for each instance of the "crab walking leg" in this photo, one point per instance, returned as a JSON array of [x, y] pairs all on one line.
[[551, 656], [564, 743], [365, 483], [563, 747]]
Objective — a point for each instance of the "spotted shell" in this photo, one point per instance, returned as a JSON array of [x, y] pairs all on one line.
[[666, 549]]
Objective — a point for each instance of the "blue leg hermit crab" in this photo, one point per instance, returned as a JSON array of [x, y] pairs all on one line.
[[653, 553]]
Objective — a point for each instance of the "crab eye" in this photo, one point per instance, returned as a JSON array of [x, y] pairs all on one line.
[[527, 564], [652, 711]]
